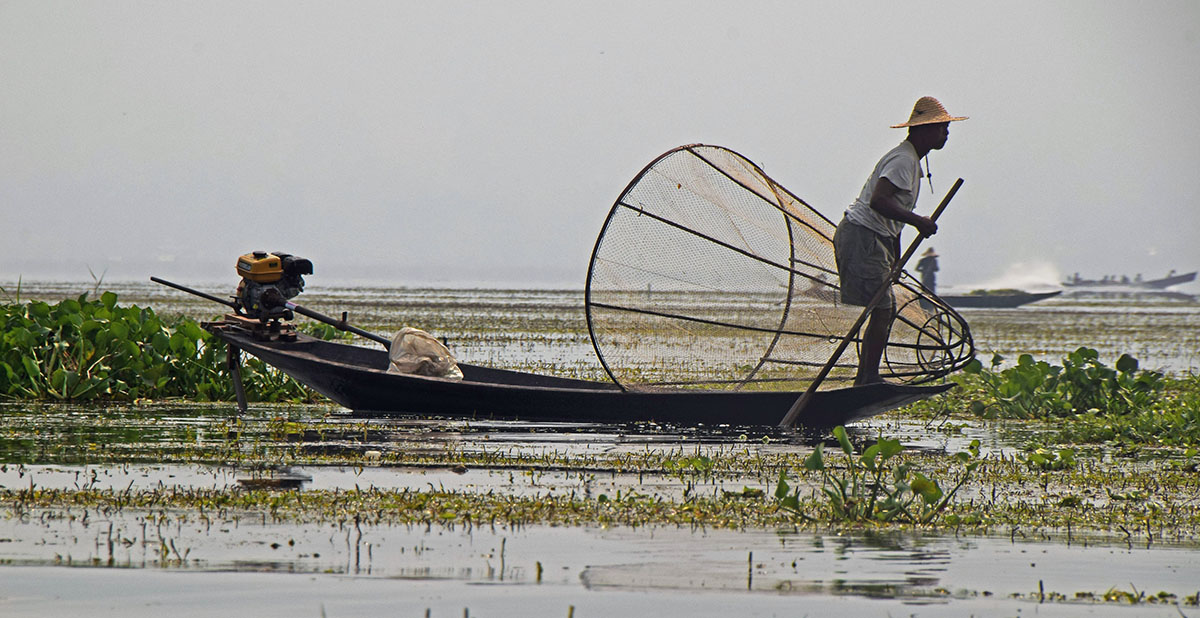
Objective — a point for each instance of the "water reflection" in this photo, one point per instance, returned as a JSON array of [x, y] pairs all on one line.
[[877, 565], [78, 434], [902, 565], [275, 477], [161, 445], [893, 565]]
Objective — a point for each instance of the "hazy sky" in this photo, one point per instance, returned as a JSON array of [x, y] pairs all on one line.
[[412, 143]]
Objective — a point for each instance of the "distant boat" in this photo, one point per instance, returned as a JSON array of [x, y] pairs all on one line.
[[996, 299], [1152, 284], [1166, 282]]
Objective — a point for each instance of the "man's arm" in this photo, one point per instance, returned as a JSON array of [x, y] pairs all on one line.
[[885, 202]]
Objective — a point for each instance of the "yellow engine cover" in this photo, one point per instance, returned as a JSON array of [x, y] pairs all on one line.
[[261, 267]]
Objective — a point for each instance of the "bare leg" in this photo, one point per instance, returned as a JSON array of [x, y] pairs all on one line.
[[874, 340]]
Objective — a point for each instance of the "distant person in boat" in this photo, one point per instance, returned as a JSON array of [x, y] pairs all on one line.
[[928, 268], [867, 241]]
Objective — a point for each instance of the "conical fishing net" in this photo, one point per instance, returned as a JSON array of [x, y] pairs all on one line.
[[708, 274]]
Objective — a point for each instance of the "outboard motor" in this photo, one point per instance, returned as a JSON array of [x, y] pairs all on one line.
[[269, 280]]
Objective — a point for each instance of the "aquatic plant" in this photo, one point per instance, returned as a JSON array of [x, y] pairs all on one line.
[[1121, 404], [95, 349], [1172, 420], [873, 487], [1037, 389], [1049, 459]]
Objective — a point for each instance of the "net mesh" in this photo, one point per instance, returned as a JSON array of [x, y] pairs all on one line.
[[708, 274]]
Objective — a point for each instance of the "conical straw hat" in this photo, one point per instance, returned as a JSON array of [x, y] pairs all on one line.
[[928, 111]]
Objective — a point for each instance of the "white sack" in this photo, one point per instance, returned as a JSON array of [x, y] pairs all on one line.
[[414, 351]]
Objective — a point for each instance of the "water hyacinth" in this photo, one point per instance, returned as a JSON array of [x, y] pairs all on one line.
[[1035, 389], [86, 349]]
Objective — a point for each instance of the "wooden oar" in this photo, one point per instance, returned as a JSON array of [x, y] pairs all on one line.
[[341, 324], [793, 413]]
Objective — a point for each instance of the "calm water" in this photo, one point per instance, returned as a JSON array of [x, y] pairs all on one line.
[[70, 565], [252, 568]]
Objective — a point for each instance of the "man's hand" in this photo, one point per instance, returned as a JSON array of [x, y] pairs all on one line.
[[885, 201], [925, 225]]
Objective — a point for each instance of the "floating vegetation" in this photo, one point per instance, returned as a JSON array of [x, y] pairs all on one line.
[[1099, 404], [996, 501], [874, 488], [81, 349], [1037, 389], [865, 481], [1049, 459]]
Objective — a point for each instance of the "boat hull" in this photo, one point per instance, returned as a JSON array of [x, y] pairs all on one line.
[[356, 378], [1152, 284], [995, 301]]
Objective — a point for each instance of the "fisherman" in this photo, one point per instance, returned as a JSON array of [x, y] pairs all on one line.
[[928, 267], [867, 241]]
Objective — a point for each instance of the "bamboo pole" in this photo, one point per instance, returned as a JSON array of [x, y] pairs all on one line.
[[793, 413]]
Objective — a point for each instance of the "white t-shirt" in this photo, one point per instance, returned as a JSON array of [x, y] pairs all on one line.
[[902, 167]]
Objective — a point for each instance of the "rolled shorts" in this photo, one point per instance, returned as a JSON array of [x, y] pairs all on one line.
[[864, 261]]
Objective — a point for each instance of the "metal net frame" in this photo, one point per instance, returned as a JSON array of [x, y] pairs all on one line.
[[709, 274]]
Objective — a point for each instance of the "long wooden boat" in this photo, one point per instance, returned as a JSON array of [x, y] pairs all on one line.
[[996, 301], [1162, 283], [1170, 280], [356, 378]]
